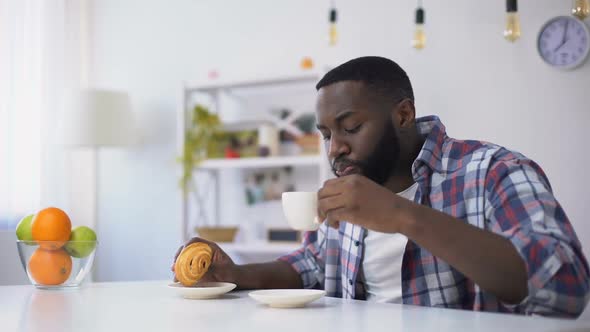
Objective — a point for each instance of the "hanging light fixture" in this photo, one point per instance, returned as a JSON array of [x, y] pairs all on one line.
[[419, 40], [512, 30], [333, 18], [581, 9]]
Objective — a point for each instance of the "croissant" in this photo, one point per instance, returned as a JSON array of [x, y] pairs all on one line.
[[192, 263]]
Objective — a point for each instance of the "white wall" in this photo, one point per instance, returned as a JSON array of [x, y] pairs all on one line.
[[482, 87]]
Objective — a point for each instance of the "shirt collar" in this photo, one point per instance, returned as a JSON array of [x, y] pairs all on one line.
[[431, 154]]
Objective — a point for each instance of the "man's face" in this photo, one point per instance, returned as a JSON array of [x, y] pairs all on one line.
[[358, 133]]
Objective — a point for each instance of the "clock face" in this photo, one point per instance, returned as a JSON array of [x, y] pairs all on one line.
[[564, 42]]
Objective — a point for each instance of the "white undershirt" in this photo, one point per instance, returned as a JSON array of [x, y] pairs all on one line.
[[382, 261]]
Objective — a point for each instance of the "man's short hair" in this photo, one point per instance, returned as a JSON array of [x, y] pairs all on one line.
[[380, 75]]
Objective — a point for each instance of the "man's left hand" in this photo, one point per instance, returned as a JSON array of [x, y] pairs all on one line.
[[358, 200]]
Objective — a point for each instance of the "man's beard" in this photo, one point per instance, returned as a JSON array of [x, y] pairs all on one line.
[[379, 165]]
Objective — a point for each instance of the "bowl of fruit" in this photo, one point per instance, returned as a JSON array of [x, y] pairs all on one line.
[[53, 254]]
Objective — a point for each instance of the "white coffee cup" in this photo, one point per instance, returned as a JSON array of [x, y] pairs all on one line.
[[300, 209]]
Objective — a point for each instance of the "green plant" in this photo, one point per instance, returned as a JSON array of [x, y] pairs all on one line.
[[199, 140]]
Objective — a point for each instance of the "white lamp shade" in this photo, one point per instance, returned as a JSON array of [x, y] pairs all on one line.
[[99, 118]]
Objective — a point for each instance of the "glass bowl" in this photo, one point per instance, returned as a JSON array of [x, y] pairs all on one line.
[[56, 265]]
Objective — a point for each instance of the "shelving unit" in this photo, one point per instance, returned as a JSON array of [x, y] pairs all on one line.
[[261, 247], [264, 82], [260, 162], [295, 92]]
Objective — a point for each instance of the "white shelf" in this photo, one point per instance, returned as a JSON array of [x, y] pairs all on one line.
[[260, 162], [309, 77], [278, 248]]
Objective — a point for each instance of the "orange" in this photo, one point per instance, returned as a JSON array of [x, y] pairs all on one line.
[[51, 224], [50, 267]]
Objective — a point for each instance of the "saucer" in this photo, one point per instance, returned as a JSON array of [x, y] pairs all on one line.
[[287, 298], [208, 290]]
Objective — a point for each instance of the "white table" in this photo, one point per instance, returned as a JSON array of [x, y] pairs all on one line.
[[151, 306]]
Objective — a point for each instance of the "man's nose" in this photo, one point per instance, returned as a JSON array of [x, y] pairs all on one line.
[[337, 148]]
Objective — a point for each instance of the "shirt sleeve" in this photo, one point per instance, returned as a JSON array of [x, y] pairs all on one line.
[[521, 207], [307, 260]]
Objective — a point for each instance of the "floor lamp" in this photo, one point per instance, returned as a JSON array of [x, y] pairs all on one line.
[[95, 120]]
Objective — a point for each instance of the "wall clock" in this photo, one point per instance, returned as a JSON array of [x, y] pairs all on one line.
[[564, 42]]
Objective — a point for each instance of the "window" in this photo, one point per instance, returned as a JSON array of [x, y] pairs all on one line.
[[40, 59]]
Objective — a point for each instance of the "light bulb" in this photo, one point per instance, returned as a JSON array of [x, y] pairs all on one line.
[[581, 9], [333, 31], [333, 34], [419, 40], [512, 30]]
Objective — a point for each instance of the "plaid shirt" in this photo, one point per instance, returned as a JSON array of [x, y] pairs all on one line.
[[486, 186]]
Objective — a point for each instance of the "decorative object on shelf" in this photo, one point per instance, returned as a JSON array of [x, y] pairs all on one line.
[[267, 184], [419, 40], [268, 136], [232, 150], [285, 135], [309, 141], [263, 151], [581, 9], [512, 29], [234, 144], [306, 63], [309, 144], [301, 137], [306, 123], [198, 140], [333, 19], [564, 42], [217, 233]]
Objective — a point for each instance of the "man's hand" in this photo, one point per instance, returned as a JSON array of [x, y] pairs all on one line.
[[358, 200], [276, 274], [222, 267]]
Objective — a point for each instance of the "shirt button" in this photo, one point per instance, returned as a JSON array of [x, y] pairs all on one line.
[[350, 281], [357, 243]]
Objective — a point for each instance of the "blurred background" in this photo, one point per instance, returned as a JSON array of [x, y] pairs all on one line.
[[250, 66]]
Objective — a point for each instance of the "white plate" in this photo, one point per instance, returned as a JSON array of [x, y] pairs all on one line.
[[287, 298], [208, 290]]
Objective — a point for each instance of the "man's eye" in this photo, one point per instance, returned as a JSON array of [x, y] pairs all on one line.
[[353, 130], [326, 138]]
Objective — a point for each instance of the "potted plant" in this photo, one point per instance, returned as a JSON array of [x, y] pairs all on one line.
[[201, 141]]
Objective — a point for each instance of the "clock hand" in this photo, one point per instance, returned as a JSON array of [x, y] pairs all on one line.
[[563, 38], [560, 46]]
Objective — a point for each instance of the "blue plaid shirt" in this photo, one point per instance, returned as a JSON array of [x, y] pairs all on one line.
[[486, 186]]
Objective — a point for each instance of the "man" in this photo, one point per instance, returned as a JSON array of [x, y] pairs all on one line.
[[417, 217]]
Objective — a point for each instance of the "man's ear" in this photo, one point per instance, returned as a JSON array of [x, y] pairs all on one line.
[[404, 114]]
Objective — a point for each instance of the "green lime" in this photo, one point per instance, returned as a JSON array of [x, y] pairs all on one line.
[[23, 229], [82, 242]]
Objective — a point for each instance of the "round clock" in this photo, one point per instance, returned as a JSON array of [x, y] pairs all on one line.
[[564, 42]]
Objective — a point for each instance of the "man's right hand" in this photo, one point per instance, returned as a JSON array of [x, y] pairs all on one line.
[[222, 268], [275, 274]]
